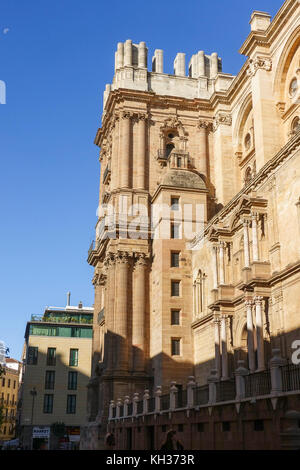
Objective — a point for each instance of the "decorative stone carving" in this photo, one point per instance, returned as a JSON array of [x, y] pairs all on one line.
[[222, 118], [264, 63]]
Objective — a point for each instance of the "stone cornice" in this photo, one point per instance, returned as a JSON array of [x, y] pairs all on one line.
[[264, 38], [262, 175]]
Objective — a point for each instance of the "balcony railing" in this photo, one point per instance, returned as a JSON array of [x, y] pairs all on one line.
[[290, 377], [258, 384], [61, 319], [201, 395], [245, 386], [226, 390]]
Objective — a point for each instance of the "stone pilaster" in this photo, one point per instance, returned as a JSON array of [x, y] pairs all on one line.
[[251, 357], [215, 266], [221, 262], [217, 344], [258, 301], [121, 320], [224, 347], [125, 138], [141, 155], [202, 166], [246, 243], [138, 313], [255, 254]]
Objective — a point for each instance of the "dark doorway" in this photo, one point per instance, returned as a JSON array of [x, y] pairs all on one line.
[[128, 438], [150, 438]]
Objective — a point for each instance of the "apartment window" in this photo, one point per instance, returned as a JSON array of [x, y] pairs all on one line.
[[200, 427], [48, 403], [175, 288], [49, 379], [71, 404], [73, 357], [7, 398], [51, 357], [258, 425], [175, 317], [175, 230], [175, 346], [13, 401], [14, 384], [32, 358], [8, 383], [175, 203], [4, 430], [72, 380], [3, 382], [226, 426], [175, 259]]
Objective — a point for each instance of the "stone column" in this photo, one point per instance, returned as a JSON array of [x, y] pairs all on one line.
[[251, 358], [217, 344], [240, 373], [125, 149], [190, 391], [202, 160], [246, 243], [221, 262], [215, 267], [255, 255], [115, 155], [121, 328], [138, 313], [212, 389], [224, 347], [158, 393], [141, 152], [146, 397], [110, 263], [259, 332]]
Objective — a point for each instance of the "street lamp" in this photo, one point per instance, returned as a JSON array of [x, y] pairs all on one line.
[[33, 393]]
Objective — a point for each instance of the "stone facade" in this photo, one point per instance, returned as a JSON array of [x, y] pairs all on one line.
[[222, 152]]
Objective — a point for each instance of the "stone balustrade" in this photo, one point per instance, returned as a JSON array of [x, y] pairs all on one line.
[[279, 379]]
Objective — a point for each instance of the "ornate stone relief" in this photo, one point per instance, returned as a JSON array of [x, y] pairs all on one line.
[[264, 63]]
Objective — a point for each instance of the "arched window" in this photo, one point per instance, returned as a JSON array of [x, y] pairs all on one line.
[[293, 88], [169, 149], [248, 175], [248, 141], [295, 125]]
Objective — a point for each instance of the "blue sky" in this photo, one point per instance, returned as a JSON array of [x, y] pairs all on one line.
[[55, 58]]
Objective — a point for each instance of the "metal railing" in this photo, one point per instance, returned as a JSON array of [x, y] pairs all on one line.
[[181, 399], [140, 407], [165, 402], [151, 405], [290, 377], [258, 383], [201, 395], [61, 319], [226, 390]]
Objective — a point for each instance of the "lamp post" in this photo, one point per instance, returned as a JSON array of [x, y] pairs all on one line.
[[33, 393]]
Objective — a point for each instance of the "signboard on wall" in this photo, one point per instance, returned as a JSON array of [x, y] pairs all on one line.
[[41, 433]]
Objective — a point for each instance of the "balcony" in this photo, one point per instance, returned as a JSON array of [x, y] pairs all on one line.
[[79, 319]]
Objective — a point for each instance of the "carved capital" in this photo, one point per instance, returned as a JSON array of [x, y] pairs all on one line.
[[141, 260], [263, 63], [126, 115], [258, 300], [222, 118], [206, 125], [123, 257]]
